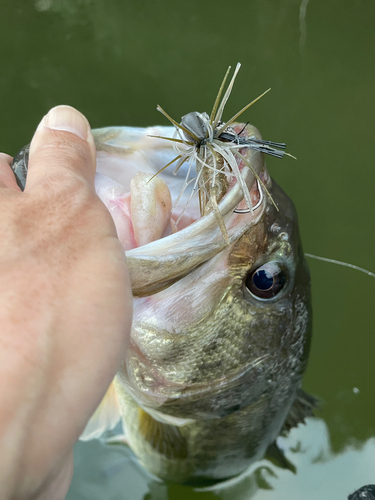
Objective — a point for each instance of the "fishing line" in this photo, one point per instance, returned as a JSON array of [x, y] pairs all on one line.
[[340, 263]]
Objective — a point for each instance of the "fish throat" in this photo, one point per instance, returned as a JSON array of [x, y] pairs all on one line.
[[213, 185]]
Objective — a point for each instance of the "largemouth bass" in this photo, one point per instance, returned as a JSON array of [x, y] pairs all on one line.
[[221, 327]]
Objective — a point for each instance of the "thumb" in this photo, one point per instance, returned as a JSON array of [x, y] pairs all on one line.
[[62, 146]]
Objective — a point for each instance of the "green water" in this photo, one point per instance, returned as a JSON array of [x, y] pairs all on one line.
[[115, 60]]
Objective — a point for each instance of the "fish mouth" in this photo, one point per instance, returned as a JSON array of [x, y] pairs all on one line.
[[122, 152]]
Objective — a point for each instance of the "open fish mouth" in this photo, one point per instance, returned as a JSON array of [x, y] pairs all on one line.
[[124, 152]]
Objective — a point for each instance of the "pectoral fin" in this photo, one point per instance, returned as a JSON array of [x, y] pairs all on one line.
[[303, 407], [105, 418], [275, 455]]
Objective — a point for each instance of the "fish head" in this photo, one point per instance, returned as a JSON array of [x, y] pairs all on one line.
[[218, 325]]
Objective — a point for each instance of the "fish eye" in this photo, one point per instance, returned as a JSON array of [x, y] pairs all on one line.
[[266, 281]]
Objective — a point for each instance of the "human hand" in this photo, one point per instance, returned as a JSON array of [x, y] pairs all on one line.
[[65, 307]]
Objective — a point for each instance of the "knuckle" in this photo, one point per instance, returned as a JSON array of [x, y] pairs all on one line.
[[62, 150]]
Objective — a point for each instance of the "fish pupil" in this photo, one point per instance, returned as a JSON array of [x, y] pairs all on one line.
[[266, 281], [263, 279]]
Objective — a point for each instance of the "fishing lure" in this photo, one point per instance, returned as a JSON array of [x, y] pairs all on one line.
[[214, 147]]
